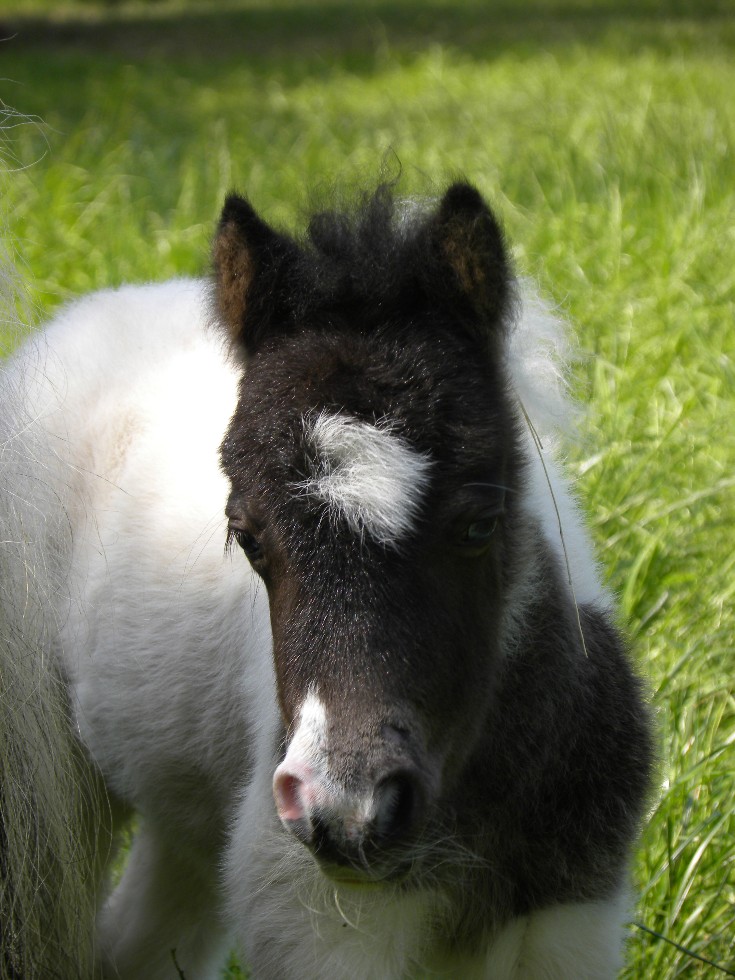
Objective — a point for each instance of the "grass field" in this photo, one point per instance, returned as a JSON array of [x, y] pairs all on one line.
[[604, 133]]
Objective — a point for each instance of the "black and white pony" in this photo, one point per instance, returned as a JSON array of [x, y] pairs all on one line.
[[398, 735]]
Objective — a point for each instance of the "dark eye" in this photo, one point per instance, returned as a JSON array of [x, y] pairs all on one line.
[[478, 510], [247, 541], [480, 532], [474, 535]]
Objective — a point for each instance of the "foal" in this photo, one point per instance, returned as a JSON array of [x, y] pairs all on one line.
[[399, 736]]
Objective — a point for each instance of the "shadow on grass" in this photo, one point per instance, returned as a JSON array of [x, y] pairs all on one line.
[[316, 31]]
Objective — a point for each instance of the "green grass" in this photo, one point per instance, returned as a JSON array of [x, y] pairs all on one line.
[[603, 133]]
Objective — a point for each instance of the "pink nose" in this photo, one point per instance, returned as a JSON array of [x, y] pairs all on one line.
[[332, 822], [295, 791]]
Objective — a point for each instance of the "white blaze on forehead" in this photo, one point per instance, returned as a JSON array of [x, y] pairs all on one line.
[[366, 475]]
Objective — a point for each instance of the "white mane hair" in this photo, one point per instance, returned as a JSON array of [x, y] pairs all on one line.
[[46, 885], [538, 360], [540, 354]]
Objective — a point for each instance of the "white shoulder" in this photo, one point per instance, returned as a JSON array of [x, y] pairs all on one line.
[[108, 337], [565, 942]]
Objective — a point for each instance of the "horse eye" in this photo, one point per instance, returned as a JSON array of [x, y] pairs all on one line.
[[248, 542], [479, 532]]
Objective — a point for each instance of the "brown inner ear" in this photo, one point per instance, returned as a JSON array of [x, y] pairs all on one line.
[[472, 247], [462, 253], [235, 271]]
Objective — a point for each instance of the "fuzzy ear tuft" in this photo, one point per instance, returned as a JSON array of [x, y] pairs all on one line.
[[249, 261], [470, 242]]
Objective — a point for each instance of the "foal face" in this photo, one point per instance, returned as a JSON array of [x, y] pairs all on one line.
[[373, 463], [372, 485]]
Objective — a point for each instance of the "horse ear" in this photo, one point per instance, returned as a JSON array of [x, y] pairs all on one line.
[[468, 239], [250, 260]]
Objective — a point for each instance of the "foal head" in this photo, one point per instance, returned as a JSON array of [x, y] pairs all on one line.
[[374, 465]]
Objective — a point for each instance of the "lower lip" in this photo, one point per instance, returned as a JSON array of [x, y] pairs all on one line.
[[350, 878], [340, 877]]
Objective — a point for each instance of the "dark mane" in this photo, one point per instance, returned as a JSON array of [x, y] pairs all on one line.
[[376, 255], [384, 259]]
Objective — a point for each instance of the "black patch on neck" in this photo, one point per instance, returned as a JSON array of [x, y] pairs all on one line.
[[552, 801]]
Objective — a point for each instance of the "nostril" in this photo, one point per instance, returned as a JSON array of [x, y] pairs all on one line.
[[397, 802], [321, 837]]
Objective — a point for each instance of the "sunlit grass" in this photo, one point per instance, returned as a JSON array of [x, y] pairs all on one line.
[[603, 133]]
